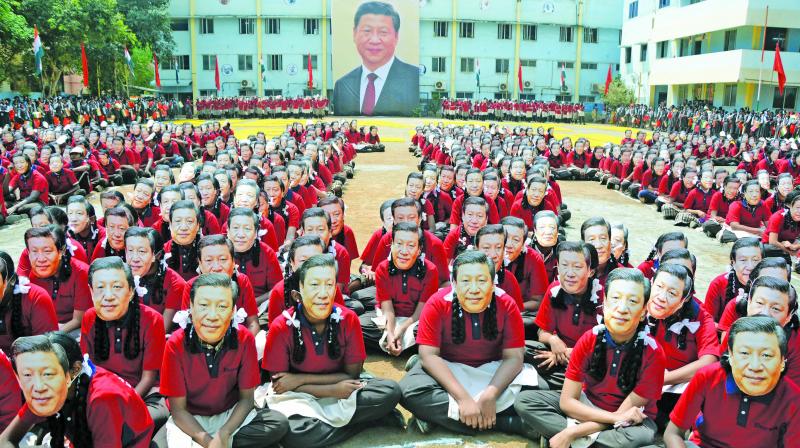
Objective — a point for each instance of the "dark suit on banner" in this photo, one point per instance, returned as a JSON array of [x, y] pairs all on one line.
[[399, 95]]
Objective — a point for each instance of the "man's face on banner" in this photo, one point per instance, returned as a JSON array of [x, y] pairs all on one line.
[[375, 39]]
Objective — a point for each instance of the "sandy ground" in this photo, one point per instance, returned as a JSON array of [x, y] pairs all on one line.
[[381, 176]]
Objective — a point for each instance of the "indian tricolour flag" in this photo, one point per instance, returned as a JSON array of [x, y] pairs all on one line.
[[38, 51], [128, 60]]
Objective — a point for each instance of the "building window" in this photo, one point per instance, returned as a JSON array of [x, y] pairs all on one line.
[[208, 92], [730, 40], [790, 93], [527, 96], [529, 32], [208, 62], [440, 28], [627, 55], [181, 61], [588, 66], [466, 30], [586, 99], [273, 26], [467, 65], [698, 46], [566, 98], [663, 3], [179, 25], [643, 53], [683, 49], [504, 31], [565, 34], [501, 66], [464, 95], [247, 26], [304, 61], [565, 64], [438, 64], [311, 26], [527, 62], [590, 35], [775, 35], [633, 9], [273, 92], [729, 100], [661, 49], [274, 62], [206, 26], [245, 62]]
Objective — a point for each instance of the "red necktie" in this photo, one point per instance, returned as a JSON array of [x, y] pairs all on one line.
[[369, 95]]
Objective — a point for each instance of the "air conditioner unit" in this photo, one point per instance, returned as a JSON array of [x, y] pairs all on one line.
[[439, 85], [527, 84], [247, 83], [598, 88], [503, 87]]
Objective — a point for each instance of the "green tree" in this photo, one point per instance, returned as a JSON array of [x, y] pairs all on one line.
[[15, 37], [618, 94], [149, 19]]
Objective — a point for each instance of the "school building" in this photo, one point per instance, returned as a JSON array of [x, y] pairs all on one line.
[[457, 38], [678, 50]]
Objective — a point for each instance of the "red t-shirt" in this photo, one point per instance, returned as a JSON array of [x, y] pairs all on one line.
[[73, 294], [210, 384], [605, 394], [435, 329], [278, 353], [151, 344], [702, 341], [775, 225], [697, 199], [723, 416], [34, 181], [739, 213], [530, 272], [11, 398], [560, 321], [38, 317], [405, 291], [720, 204], [679, 192], [277, 302], [368, 253], [458, 206], [346, 238], [266, 232], [525, 212], [716, 296], [116, 414], [61, 182], [266, 274]]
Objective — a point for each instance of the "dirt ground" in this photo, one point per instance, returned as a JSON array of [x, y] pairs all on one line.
[[380, 176]]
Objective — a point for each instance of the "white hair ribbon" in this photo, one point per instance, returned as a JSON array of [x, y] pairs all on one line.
[[555, 290], [95, 231], [72, 247], [741, 295], [167, 256], [262, 232], [337, 314], [23, 285], [597, 329], [103, 243], [291, 321], [239, 316], [141, 291], [182, 318], [644, 335], [678, 326], [87, 367], [596, 288]]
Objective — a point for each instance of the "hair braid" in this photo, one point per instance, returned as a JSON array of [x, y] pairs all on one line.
[[597, 363], [65, 271], [101, 342], [157, 296], [289, 280], [133, 344], [490, 320], [299, 348], [14, 301], [629, 369], [457, 331], [334, 348], [83, 433], [731, 291]]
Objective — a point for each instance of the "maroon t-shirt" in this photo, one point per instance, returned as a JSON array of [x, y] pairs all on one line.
[[38, 317], [746, 215], [264, 276], [34, 180], [560, 321], [11, 398], [72, 294], [404, 289]]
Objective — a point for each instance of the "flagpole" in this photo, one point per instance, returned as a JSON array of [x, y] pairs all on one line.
[[761, 66]]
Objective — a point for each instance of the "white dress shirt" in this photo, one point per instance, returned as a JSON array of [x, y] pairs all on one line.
[[382, 72]]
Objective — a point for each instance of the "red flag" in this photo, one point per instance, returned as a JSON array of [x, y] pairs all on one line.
[[155, 67], [778, 67], [608, 80], [310, 74], [519, 75], [216, 72], [85, 64]]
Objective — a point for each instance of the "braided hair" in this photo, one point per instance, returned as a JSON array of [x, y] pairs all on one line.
[[186, 258], [628, 373], [489, 326], [131, 320], [662, 240], [11, 299], [332, 330], [231, 339]]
